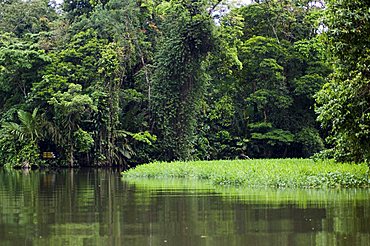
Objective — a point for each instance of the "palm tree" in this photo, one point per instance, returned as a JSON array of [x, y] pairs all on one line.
[[31, 125], [26, 133]]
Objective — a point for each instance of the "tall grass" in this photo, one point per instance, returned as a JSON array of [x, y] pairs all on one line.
[[302, 173]]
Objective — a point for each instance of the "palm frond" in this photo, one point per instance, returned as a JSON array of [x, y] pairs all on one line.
[[25, 119], [13, 129], [52, 130], [34, 113]]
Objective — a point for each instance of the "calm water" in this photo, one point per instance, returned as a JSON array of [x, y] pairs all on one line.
[[97, 207]]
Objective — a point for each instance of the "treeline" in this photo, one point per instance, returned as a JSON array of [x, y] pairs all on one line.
[[122, 82]]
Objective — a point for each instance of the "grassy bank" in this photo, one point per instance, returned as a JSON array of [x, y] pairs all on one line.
[[302, 173]]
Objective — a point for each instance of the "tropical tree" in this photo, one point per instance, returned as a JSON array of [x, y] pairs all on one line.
[[262, 83], [108, 75], [343, 103], [20, 65], [20, 141], [178, 77], [22, 18]]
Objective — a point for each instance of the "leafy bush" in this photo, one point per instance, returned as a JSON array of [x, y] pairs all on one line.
[[310, 140]]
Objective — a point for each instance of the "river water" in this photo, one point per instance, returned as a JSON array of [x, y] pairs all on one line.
[[98, 207]]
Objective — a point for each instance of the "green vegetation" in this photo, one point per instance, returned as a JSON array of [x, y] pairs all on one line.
[[120, 83], [344, 101], [177, 81], [302, 173]]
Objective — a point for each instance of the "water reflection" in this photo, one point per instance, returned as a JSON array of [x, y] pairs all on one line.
[[96, 207]]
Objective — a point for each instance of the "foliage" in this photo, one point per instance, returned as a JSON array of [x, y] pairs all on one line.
[[21, 18], [265, 139], [20, 65], [128, 82], [19, 141], [178, 77], [301, 173], [292, 20], [264, 72], [310, 141], [84, 141], [343, 102]]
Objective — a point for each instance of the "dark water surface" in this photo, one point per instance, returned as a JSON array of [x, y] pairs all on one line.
[[97, 207]]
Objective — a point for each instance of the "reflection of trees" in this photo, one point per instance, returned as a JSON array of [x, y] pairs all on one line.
[[95, 207]]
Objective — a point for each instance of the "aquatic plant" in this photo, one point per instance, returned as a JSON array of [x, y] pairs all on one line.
[[302, 173]]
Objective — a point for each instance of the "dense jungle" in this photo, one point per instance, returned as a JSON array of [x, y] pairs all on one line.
[[125, 82]]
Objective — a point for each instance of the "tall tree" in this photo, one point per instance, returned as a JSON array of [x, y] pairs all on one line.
[[21, 63], [265, 78], [26, 17], [178, 77], [344, 102], [290, 20]]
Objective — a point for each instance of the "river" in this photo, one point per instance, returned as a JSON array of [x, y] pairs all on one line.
[[97, 207]]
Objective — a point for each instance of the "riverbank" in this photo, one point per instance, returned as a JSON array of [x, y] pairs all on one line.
[[295, 173]]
